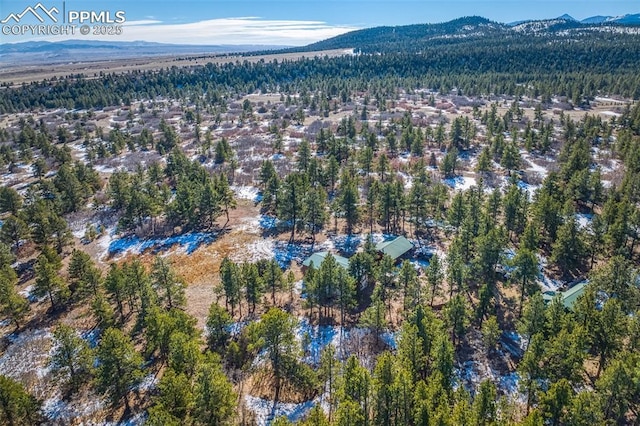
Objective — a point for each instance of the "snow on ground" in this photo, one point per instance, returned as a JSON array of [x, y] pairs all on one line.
[[28, 293], [27, 358], [68, 412], [472, 373], [584, 219], [254, 251], [249, 225], [138, 419], [547, 284], [266, 411], [513, 343], [92, 337], [536, 168], [408, 180], [390, 338], [347, 244], [529, 188], [610, 113], [268, 222], [236, 327], [460, 183], [250, 193], [104, 169], [314, 339], [135, 245], [148, 383]]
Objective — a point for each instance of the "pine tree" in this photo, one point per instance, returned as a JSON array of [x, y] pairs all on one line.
[[174, 400], [314, 210], [525, 266], [169, 286], [72, 359], [231, 284], [275, 334], [48, 280], [218, 322], [348, 201], [568, 250], [456, 313], [119, 366], [12, 304], [17, 407], [215, 400]]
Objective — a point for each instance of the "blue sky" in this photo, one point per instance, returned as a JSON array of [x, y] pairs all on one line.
[[289, 22]]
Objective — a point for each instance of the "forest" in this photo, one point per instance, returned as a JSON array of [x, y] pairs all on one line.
[[156, 229]]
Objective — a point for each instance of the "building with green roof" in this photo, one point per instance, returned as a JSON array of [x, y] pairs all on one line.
[[317, 258], [569, 296], [395, 248]]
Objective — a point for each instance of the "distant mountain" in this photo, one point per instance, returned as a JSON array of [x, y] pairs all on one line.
[[599, 19], [633, 19], [567, 17], [464, 31], [38, 52], [626, 19]]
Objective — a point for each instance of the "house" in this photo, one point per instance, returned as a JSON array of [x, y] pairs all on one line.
[[316, 260], [395, 248], [569, 296]]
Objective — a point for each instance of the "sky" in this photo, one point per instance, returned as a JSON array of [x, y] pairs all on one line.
[[288, 22]]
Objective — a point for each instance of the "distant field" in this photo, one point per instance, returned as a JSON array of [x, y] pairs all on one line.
[[18, 74]]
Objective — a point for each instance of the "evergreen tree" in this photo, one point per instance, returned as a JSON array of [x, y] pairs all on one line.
[[275, 334], [17, 407], [72, 359], [48, 280], [119, 366], [169, 286], [214, 398], [12, 304]]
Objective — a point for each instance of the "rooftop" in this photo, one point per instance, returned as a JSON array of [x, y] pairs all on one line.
[[395, 248], [317, 258]]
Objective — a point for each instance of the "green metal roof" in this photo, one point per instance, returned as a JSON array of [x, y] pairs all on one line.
[[569, 296], [317, 258], [395, 248]]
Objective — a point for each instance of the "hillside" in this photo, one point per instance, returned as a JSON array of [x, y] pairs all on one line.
[[474, 29]]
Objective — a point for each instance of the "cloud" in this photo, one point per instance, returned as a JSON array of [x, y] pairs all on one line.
[[142, 22], [242, 30], [230, 31]]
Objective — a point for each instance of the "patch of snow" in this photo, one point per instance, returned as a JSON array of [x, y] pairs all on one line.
[[104, 169], [314, 339], [610, 113], [389, 337], [347, 244], [250, 193], [266, 411], [408, 180], [28, 357], [135, 245], [268, 222], [148, 383], [63, 412], [460, 183], [236, 328], [584, 220], [513, 343], [547, 284], [28, 293], [92, 337]]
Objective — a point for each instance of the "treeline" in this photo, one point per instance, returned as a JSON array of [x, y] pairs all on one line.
[[596, 64]]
